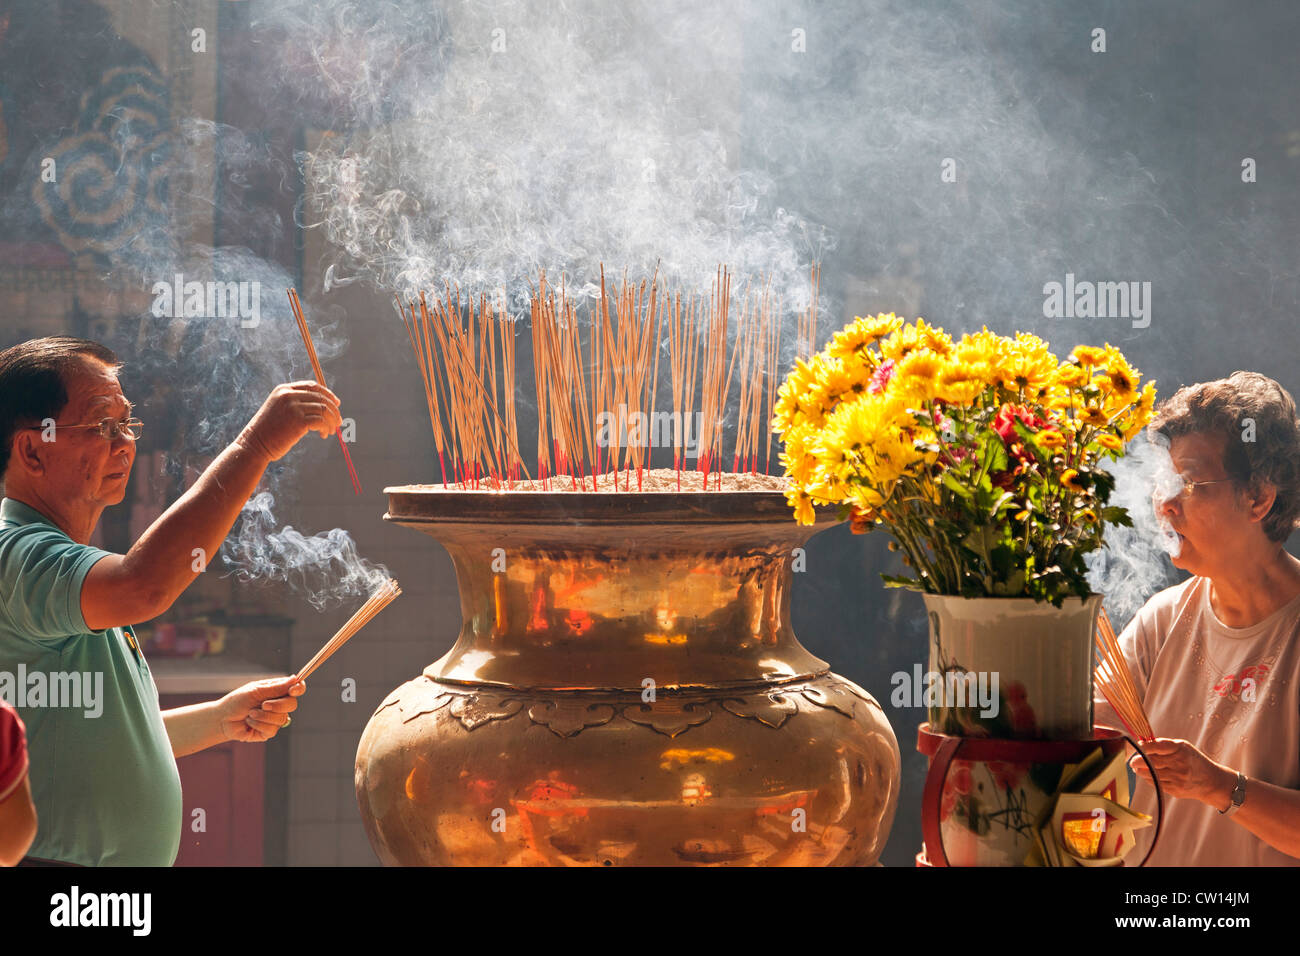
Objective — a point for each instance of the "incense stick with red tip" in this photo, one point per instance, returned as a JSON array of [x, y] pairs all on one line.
[[320, 379]]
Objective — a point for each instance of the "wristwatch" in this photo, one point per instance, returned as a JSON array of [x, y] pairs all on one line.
[[1238, 796]]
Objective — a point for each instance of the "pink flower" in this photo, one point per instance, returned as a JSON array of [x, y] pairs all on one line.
[[881, 376], [942, 423], [1004, 423]]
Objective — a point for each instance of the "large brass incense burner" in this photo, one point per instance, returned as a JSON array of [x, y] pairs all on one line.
[[626, 690]]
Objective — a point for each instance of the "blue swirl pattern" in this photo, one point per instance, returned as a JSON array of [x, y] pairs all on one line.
[[109, 197]]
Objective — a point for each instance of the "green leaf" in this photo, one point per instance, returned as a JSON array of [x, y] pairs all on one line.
[[896, 581], [1001, 503], [981, 540], [954, 484], [1104, 481], [1028, 440], [1012, 586], [993, 454], [1116, 515]]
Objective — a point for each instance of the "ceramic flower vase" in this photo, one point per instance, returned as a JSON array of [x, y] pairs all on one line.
[[1011, 667]]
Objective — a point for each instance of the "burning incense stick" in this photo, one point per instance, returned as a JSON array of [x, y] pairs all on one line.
[[596, 379], [383, 596], [1116, 681], [320, 378]]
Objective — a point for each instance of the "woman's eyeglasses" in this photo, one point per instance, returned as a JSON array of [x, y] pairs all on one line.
[[1181, 488], [110, 429], [1189, 486]]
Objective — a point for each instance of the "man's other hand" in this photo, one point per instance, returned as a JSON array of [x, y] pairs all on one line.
[[256, 712]]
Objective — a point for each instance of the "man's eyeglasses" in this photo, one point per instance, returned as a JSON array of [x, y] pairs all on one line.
[[110, 429]]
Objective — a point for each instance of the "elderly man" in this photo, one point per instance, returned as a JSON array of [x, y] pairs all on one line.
[[1216, 659], [105, 785]]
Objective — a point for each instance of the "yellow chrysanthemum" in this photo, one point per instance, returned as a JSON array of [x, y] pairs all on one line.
[[796, 457], [828, 487], [824, 382], [861, 333], [869, 434], [1095, 416], [1055, 398], [803, 507], [960, 383], [833, 381], [1148, 400], [895, 455], [902, 343], [1118, 377], [869, 499], [931, 490], [1139, 415], [1089, 356], [1026, 370], [1070, 376], [792, 402], [934, 338], [1030, 342], [914, 378], [982, 347], [845, 443]]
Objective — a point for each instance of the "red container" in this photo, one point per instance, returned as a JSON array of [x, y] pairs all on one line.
[[1001, 757]]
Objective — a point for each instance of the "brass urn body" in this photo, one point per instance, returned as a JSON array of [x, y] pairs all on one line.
[[625, 690]]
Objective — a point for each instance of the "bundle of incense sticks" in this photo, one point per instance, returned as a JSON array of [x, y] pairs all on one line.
[[595, 374], [320, 377], [1116, 681], [379, 600], [473, 416]]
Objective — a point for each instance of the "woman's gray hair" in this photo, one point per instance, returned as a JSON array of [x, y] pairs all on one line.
[[1261, 436]]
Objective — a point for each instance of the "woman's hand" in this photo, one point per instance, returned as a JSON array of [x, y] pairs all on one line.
[[256, 712], [1186, 772]]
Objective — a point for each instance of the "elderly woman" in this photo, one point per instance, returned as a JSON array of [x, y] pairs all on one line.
[[1216, 659]]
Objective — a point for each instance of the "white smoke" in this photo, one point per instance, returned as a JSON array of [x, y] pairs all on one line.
[[540, 137], [1134, 564], [325, 567]]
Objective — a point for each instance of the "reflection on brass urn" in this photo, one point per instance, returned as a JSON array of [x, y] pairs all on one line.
[[626, 689]]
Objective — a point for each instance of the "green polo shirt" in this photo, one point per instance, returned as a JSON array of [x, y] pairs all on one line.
[[103, 777]]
